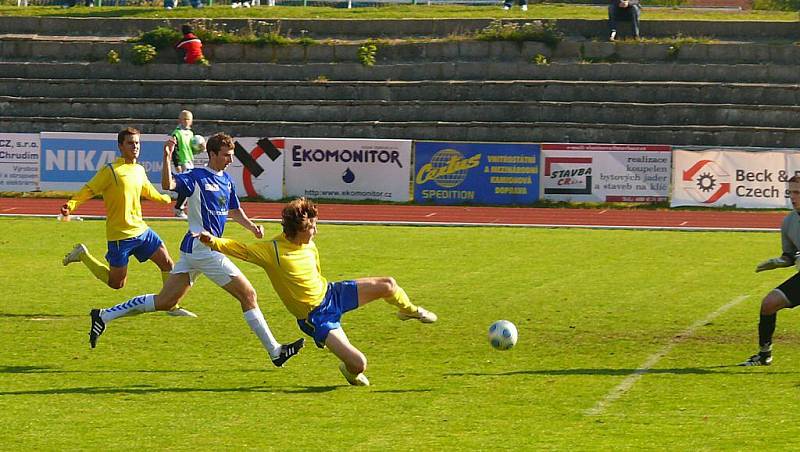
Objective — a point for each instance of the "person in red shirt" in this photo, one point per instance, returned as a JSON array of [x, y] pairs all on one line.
[[190, 45]]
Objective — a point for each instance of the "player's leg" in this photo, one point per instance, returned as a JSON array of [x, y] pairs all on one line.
[[119, 251], [154, 249], [354, 363], [173, 290], [117, 277], [225, 274], [786, 295], [180, 202], [80, 253], [370, 289]]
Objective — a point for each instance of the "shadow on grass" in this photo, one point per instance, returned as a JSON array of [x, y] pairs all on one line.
[[40, 316], [146, 389], [622, 372], [56, 370]]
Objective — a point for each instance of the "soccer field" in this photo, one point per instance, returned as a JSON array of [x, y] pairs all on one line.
[[627, 340]]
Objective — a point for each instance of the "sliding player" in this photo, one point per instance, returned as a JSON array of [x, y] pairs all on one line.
[[291, 261]]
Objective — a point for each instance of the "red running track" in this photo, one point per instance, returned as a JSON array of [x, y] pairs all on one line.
[[457, 215]]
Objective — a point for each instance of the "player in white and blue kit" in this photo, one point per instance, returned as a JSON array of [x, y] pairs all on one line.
[[211, 195]]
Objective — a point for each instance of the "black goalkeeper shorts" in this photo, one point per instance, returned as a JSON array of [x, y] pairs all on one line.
[[791, 289]]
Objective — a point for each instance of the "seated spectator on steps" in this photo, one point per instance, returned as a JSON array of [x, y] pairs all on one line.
[[623, 10], [190, 45], [169, 4]]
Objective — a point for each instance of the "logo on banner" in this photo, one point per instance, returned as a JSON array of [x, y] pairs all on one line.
[[568, 175], [251, 168], [706, 182], [348, 176], [448, 168]]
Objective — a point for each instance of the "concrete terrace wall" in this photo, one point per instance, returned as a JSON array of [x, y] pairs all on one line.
[[377, 28], [742, 91]]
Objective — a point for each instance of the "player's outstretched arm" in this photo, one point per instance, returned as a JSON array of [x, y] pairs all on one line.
[[228, 247], [240, 217], [149, 191], [83, 195], [775, 262]]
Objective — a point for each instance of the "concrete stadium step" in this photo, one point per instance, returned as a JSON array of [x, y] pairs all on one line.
[[599, 132], [489, 90], [673, 114], [720, 73], [402, 28], [64, 49]]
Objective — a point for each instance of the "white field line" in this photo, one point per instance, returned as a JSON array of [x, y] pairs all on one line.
[[621, 389]]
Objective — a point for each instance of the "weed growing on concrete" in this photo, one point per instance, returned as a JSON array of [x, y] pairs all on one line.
[[143, 53], [538, 31], [112, 57], [367, 53], [540, 59], [160, 37]]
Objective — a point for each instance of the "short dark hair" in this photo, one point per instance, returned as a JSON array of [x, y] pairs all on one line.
[[125, 132], [217, 141], [186, 29], [794, 179], [297, 215]]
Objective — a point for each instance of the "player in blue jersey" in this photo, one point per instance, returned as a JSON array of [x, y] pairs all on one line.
[[211, 195]]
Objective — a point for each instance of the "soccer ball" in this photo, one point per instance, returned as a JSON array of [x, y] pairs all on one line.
[[502, 335], [198, 144]]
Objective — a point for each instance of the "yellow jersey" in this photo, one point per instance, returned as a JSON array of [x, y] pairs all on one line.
[[293, 270], [122, 185]]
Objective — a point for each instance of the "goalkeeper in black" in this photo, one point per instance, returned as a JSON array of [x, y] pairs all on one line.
[[786, 295]]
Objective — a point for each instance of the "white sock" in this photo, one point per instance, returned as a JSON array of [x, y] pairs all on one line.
[[134, 306], [258, 324]]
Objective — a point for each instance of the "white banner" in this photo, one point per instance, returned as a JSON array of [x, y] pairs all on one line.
[[729, 177], [574, 172], [348, 168], [19, 161], [267, 161]]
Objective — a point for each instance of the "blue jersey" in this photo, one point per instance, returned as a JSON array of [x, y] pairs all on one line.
[[211, 195]]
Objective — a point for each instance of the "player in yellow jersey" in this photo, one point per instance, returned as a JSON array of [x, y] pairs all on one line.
[[122, 184], [291, 261]]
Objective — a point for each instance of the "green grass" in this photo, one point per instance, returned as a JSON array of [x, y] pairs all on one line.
[[591, 307], [536, 11]]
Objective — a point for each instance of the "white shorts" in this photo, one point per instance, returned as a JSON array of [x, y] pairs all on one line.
[[203, 260]]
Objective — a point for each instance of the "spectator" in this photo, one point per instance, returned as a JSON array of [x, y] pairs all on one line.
[[190, 45], [183, 156], [169, 4], [523, 4], [71, 3], [624, 10]]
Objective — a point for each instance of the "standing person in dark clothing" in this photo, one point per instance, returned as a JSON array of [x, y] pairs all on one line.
[[624, 10]]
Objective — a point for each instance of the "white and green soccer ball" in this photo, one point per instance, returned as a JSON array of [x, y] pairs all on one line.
[[502, 335], [198, 144]]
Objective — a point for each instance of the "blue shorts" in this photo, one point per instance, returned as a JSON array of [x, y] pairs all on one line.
[[341, 297], [143, 247]]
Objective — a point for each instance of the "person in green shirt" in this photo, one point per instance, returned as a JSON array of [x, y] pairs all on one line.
[[183, 156]]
